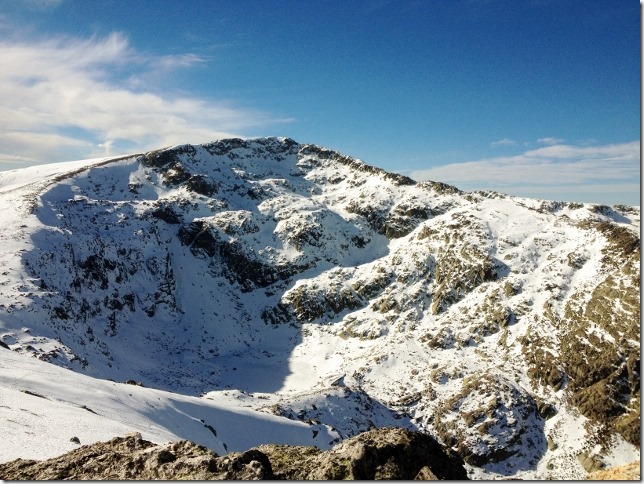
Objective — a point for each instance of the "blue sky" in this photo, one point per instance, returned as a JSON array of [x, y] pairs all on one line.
[[538, 98]]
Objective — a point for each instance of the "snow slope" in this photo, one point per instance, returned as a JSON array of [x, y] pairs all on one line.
[[43, 406], [307, 296]]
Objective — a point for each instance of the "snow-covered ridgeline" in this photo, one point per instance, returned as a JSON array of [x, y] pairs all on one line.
[[278, 269]]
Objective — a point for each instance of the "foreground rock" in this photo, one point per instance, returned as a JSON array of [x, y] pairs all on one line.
[[377, 454]]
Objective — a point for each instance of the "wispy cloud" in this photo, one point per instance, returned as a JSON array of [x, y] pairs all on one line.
[[67, 98], [503, 142], [559, 169], [550, 141]]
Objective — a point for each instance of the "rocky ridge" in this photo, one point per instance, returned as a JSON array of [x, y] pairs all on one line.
[[497, 324], [378, 454]]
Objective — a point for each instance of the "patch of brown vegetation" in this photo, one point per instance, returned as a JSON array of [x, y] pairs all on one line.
[[628, 472]]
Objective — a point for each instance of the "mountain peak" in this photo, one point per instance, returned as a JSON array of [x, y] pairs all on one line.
[[271, 269]]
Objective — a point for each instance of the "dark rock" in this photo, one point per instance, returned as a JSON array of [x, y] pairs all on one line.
[[387, 453], [238, 263], [200, 184], [378, 454], [249, 465], [439, 187], [167, 214], [176, 175], [159, 158], [310, 303], [546, 410], [404, 218]]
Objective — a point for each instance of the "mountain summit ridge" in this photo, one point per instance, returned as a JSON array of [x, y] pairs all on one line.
[[338, 293]]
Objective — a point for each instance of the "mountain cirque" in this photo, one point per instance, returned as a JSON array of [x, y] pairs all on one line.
[[333, 292]]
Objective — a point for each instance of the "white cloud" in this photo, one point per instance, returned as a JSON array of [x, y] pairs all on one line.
[[65, 98], [561, 169], [503, 142], [550, 141]]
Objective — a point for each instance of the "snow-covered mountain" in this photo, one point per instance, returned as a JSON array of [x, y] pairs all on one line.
[[265, 291]]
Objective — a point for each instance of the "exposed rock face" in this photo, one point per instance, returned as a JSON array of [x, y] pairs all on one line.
[[378, 454], [489, 420]]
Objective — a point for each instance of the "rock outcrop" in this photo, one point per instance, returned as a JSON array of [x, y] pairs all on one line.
[[378, 454]]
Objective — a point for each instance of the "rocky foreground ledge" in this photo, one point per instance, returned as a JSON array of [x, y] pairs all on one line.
[[387, 453]]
